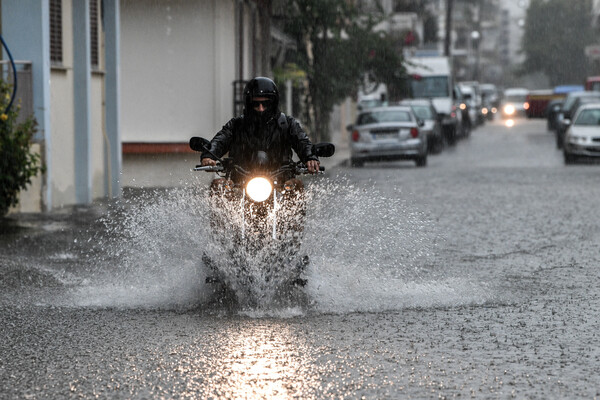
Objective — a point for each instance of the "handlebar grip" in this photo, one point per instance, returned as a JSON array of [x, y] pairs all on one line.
[[209, 168]]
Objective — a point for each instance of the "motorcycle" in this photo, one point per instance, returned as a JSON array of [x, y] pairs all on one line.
[[257, 215]]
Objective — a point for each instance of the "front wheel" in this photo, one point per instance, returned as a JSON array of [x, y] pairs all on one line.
[[421, 161], [569, 158]]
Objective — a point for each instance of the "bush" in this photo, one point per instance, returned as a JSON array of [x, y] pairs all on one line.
[[17, 163]]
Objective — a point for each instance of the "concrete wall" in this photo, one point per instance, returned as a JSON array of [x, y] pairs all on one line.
[[56, 96], [62, 93], [177, 64]]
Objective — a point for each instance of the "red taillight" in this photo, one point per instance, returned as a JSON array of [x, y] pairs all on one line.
[[414, 132], [355, 136]]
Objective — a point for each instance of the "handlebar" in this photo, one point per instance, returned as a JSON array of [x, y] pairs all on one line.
[[297, 169]]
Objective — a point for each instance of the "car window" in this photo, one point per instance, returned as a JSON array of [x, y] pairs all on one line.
[[384, 116], [423, 112], [430, 86], [516, 98], [589, 117]]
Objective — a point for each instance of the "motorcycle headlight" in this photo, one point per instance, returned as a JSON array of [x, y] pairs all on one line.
[[259, 189]]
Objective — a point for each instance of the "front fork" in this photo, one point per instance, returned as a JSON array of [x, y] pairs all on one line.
[[272, 214]]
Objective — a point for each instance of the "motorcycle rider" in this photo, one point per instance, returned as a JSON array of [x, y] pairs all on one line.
[[262, 127]]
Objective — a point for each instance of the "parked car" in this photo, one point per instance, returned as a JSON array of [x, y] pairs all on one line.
[[424, 109], [568, 110], [514, 103], [552, 111], [582, 139], [388, 133]]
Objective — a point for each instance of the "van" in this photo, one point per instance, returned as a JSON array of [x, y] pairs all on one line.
[[432, 78]]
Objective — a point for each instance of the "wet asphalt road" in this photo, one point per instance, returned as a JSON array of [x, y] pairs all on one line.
[[473, 277]]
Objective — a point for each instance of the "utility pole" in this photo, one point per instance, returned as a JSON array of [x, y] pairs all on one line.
[[447, 38]]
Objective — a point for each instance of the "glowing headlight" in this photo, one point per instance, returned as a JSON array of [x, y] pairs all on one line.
[[259, 189], [509, 109]]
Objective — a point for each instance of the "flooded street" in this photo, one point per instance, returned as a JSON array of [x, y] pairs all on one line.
[[475, 276]]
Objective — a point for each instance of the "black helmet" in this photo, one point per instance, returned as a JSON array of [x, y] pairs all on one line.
[[261, 87]]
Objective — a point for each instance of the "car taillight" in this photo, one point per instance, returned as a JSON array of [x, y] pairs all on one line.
[[414, 132], [355, 136]]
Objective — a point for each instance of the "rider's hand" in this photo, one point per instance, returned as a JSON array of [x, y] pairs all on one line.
[[208, 162], [312, 166]]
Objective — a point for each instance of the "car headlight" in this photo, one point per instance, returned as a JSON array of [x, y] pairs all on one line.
[[576, 139], [259, 189], [509, 109]]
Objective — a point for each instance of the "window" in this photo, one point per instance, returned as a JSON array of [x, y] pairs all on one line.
[[94, 56], [56, 51]]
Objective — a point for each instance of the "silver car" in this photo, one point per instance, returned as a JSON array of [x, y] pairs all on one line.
[[582, 139], [388, 133], [432, 127]]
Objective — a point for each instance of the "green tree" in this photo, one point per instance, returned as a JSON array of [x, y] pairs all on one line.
[[336, 48], [17, 163], [556, 33]]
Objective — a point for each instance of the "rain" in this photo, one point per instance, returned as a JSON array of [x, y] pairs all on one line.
[[401, 270]]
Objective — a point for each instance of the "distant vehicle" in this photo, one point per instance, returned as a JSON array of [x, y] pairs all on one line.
[[462, 106], [491, 99], [425, 110], [568, 110], [469, 105], [375, 96], [432, 78], [388, 133], [514, 103], [538, 102], [476, 100], [582, 139], [592, 83]]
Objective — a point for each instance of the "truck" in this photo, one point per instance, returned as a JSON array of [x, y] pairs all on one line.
[[431, 77]]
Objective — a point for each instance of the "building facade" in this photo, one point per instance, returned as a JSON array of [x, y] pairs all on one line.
[[119, 86], [72, 49]]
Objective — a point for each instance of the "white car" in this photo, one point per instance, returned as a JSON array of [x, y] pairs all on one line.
[[388, 133], [514, 103], [582, 139]]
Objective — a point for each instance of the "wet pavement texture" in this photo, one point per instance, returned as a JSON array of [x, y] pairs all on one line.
[[473, 277]]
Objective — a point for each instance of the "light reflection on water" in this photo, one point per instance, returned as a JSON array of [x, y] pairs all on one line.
[[261, 360]]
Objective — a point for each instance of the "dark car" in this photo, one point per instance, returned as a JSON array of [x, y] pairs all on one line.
[[551, 113], [432, 127], [568, 110]]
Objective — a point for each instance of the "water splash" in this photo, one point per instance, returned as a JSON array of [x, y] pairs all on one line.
[[368, 252]]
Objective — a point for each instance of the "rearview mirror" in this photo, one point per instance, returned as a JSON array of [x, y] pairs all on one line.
[[324, 149], [199, 144]]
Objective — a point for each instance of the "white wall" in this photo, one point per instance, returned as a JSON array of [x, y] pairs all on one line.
[[63, 128], [177, 65]]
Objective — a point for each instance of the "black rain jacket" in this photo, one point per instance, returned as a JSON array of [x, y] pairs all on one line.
[[242, 138]]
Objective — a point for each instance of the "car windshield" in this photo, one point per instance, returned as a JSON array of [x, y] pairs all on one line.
[[430, 86], [589, 117], [423, 112], [516, 98], [384, 116]]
